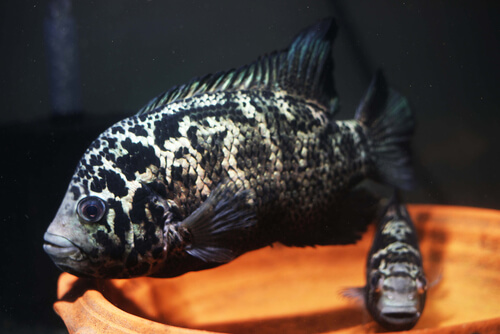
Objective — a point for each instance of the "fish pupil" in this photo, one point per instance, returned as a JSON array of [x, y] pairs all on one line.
[[91, 209]]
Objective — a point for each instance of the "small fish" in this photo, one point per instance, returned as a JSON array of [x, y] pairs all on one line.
[[396, 285], [229, 163]]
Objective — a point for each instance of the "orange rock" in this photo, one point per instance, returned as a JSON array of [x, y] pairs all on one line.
[[296, 290]]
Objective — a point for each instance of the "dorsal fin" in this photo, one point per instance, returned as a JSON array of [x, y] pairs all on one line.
[[304, 70], [308, 69]]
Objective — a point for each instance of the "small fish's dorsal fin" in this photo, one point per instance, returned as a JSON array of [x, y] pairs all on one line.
[[304, 69]]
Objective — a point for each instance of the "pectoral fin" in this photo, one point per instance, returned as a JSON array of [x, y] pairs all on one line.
[[356, 294], [222, 219]]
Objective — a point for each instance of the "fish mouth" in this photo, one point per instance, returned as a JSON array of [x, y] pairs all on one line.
[[61, 249], [400, 316]]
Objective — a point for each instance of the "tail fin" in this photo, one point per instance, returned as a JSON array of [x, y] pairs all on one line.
[[390, 125]]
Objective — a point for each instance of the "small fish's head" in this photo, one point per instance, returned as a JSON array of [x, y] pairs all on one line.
[[396, 301], [110, 223]]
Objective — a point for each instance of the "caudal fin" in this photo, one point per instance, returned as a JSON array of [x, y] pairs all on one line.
[[390, 125]]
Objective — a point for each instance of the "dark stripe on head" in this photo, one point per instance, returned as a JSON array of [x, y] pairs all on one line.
[[145, 244], [144, 200], [121, 220], [95, 160], [112, 250], [83, 173], [166, 128], [138, 212], [114, 182], [158, 188], [139, 158], [139, 130], [76, 192], [111, 142], [117, 129], [97, 184]]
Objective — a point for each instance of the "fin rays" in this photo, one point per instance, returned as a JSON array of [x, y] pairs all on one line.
[[390, 125], [224, 216]]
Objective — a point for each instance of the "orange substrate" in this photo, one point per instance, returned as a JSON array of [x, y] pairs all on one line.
[[296, 290]]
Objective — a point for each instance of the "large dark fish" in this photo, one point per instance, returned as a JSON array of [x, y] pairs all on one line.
[[396, 285], [228, 163]]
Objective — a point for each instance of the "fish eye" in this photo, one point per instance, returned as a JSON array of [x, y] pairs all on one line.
[[377, 282], [374, 281], [91, 209], [421, 285]]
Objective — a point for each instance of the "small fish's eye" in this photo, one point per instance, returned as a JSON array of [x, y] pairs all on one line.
[[91, 209], [421, 285], [374, 281], [377, 282]]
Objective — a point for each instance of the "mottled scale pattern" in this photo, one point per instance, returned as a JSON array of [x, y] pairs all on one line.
[[228, 163], [396, 284], [282, 148], [395, 247]]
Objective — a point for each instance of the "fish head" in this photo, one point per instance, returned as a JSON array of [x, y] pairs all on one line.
[[110, 223], [396, 301]]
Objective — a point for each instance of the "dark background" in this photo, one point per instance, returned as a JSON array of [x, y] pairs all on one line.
[[442, 55]]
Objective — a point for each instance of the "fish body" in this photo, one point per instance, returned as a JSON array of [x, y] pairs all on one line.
[[228, 163], [396, 285]]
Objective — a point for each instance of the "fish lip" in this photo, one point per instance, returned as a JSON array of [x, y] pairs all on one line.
[[59, 248], [411, 315]]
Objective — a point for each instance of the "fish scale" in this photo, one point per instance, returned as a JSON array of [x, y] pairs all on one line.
[[232, 162]]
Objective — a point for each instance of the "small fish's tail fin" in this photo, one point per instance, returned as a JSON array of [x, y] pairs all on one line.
[[390, 125], [306, 67]]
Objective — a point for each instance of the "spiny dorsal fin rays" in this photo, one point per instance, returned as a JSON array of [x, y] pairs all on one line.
[[308, 68], [304, 70]]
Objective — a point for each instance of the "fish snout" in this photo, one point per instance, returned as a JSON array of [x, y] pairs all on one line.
[[61, 249]]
